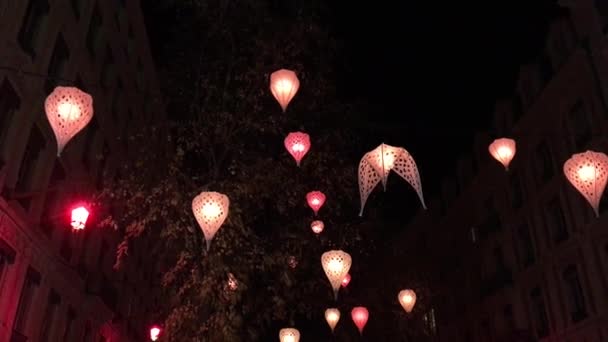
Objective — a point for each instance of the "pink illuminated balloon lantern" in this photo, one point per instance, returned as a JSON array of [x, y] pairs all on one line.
[[336, 264], [317, 226], [297, 144], [210, 210], [407, 299], [289, 335], [284, 85], [360, 316], [315, 200], [154, 333], [376, 165], [588, 173], [80, 216], [503, 150], [68, 110], [346, 280]]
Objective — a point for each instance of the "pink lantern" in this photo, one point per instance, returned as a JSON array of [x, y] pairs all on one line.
[[154, 333], [68, 110], [503, 150], [289, 335], [377, 164], [317, 226], [336, 264], [407, 299], [346, 280], [210, 210], [297, 144], [79, 218], [360, 315], [284, 85], [588, 173], [315, 200]]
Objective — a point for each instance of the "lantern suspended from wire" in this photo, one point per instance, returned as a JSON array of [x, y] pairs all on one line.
[[79, 218], [284, 85], [588, 173], [154, 333], [407, 299], [289, 335], [503, 150], [332, 316], [336, 264], [315, 200], [377, 164], [68, 110], [210, 210], [360, 315], [346, 280], [317, 226], [297, 144]]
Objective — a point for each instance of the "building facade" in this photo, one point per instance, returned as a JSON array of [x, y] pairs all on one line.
[[55, 284], [520, 254]]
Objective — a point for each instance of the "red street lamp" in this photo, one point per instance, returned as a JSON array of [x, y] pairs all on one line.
[[154, 333], [79, 218]]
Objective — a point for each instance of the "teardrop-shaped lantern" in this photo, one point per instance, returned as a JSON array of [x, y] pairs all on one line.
[[360, 316], [332, 316], [210, 210], [297, 144], [68, 110], [346, 280], [336, 264], [289, 335], [377, 164], [588, 173], [407, 299], [317, 226], [284, 85], [503, 150], [315, 200]]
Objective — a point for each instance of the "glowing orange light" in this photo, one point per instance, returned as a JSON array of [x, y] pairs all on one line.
[[407, 299], [588, 173], [79, 218]]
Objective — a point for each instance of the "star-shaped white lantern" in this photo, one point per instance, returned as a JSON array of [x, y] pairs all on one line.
[[378, 163], [588, 173], [336, 264], [210, 210]]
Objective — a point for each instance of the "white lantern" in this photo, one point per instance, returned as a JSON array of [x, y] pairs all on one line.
[[377, 164], [332, 316], [407, 299], [210, 210], [284, 85], [336, 265], [503, 150], [68, 110], [588, 173], [289, 335]]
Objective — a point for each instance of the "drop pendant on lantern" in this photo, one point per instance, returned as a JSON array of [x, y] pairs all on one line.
[[284, 85], [210, 210], [588, 173]]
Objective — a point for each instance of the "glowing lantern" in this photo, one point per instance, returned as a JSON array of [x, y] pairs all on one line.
[[154, 333], [346, 280], [297, 144], [332, 316], [284, 85], [407, 298], [79, 218], [210, 210], [336, 264], [360, 315], [503, 150], [377, 164], [68, 110], [317, 226], [289, 335], [588, 173], [233, 284], [315, 200]]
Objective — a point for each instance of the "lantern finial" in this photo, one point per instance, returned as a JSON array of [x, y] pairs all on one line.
[[503, 150], [588, 173], [210, 210], [284, 85], [297, 144], [336, 264], [407, 299]]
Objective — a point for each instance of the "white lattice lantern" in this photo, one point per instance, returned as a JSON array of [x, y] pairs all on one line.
[[289, 335], [336, 265], [284, 85], [407, 299], [68, 110], [332, 316], [378, 163], [588, 173], [210, 210], [503, 150]]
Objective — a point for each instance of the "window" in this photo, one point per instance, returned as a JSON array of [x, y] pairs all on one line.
[[429, 321], [579, 125], [556, 220], [7, 257], [108, 66], [89, 139], [9, 105], [525, 245], [574, 294], [103, 160], [48, 320], [516, 194], [94, 34], [32, 280], [544, 163], [57, 65], [539, 313], [69, 325], [35, 145], [77, 7], [102, 255], [34, 22], [507, 313], [86, 336]]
